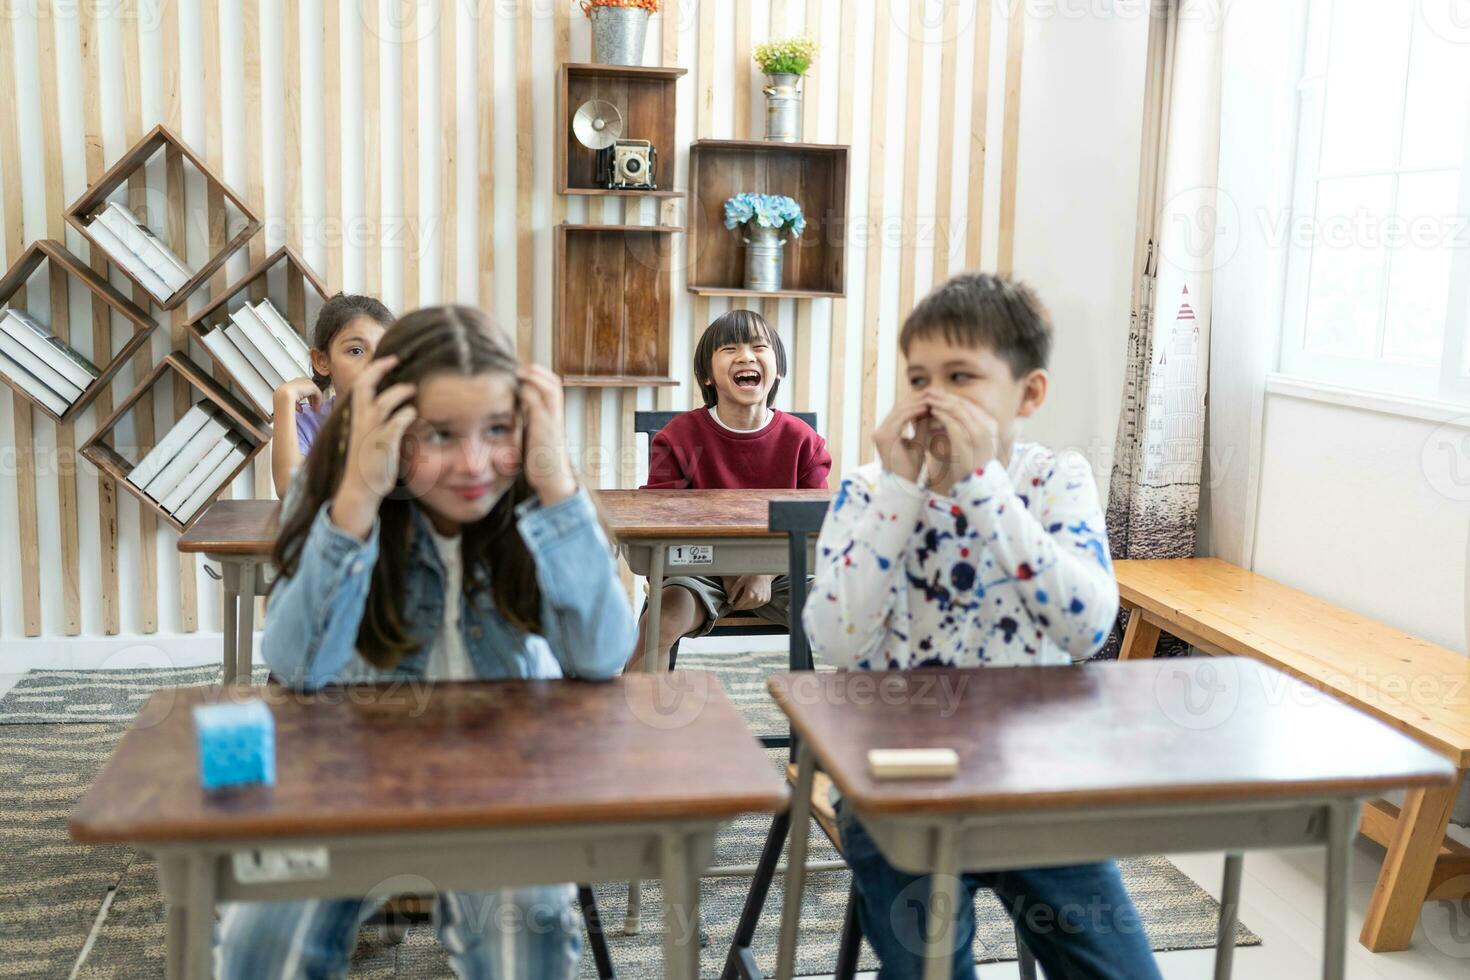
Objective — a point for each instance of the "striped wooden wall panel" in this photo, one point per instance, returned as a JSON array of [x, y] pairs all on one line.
[[279, 82]]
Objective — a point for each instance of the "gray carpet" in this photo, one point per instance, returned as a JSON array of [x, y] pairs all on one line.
[[50, 890]]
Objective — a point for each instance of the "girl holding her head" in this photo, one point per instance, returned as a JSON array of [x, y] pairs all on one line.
[[347, 332], [438, 534]]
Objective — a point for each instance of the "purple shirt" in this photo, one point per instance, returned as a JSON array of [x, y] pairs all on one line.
[[309, 422]]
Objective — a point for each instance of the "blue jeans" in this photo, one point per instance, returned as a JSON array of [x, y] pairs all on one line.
[[530, 933], [1078, 920]]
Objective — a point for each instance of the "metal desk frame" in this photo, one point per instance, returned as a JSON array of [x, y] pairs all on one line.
[[946, 844]]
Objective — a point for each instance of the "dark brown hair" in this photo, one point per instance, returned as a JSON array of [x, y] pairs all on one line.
[[976, 309], [335, 314], [437, 340], [735, 327]]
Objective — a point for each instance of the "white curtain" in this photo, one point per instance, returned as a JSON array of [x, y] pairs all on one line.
[[1154, 493]]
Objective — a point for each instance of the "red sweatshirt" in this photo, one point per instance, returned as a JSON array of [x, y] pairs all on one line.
[[694, 452]]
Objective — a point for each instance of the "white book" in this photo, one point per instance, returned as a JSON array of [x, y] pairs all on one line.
[[48, 347], [48, 375], [257, 360], [187, 459], [285, 335], [212, 483], [32, 385], [265, 342], [242, 373], [134, 265], [140, 239], [168, 447], [198, 473]]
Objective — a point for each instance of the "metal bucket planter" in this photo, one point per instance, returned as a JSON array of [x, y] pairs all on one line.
[[618, 34], [783, 108], [765, 253]]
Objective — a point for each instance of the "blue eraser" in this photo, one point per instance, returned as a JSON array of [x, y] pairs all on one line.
[[237, 744]]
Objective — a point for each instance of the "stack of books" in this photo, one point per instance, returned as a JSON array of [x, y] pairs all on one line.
[[260, 350], [133, 246], [39, 363], [192, 462]]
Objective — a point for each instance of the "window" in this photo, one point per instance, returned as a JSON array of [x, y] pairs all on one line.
[[1378, 262]]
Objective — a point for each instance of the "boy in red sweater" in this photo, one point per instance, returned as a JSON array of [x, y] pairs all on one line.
[[738, 441]]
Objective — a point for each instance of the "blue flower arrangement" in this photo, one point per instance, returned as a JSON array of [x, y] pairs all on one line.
[[765, 211]]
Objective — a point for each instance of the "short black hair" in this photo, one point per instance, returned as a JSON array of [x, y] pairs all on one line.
[[977, 309], [735, 327], [335, 314]]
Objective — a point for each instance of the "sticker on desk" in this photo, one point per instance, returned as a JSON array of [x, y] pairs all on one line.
[[691, 554], [281, 864]]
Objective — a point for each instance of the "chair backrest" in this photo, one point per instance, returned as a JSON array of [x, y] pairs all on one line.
[[649, 423]]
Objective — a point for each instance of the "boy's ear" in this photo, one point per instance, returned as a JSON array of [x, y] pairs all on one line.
[[1033, 392], [320, 362]]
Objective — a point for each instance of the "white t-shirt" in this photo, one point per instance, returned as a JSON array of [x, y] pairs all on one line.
[[770, 417], [448, 660]]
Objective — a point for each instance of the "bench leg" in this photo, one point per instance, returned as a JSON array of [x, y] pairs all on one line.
[[1403, 883], [1140, 637]]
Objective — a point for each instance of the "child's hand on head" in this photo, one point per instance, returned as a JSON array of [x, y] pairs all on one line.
[[548, 470], [970, 437], [374, 446], [293, 392], [903, 455]]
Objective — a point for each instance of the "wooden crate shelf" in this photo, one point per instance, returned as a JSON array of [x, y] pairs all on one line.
[[613, 304], [176, 152], [48, 258], [647, 99], [815, 175], [118, 461], [284, 278]]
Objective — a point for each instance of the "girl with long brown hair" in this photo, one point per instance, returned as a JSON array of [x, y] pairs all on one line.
[[437, 533]]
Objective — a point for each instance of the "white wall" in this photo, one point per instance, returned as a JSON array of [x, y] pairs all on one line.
[[1081, 95]]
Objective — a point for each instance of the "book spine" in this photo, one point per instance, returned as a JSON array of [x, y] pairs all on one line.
[[241, 372], [212, 484], [214, 451], [45, 345], [285, 333], [264, 342], [32, 385], [186, 459], [119, 253], [168, 447], [39, 368], [257, 360]]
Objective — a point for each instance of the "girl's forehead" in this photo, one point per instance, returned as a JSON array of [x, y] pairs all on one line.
[[447, 396]]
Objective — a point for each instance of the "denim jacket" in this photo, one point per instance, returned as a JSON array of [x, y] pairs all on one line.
[[311, 629]]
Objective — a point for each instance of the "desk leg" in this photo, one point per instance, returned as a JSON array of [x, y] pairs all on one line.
[[944, 898], [1342, 827], [199, 918], [801, 820], [632, 921], [1229, 910], [173, 884], [243, 659], [230, 574], [681, 908]]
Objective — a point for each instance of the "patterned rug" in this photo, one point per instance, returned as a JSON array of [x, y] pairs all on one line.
[[51, 890]]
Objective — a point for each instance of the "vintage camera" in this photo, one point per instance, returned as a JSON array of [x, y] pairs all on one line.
[[627, 165]]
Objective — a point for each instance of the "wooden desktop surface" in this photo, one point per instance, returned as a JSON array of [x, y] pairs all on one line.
[[695, 513], [403, 757], [234, 527], [248, 527], [1157, 731]]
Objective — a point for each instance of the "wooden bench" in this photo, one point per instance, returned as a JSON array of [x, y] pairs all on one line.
[[1420, 688]]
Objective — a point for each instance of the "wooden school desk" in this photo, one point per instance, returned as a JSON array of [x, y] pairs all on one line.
[[468, 785], [696, 532], [239, 534], [1063, 765]]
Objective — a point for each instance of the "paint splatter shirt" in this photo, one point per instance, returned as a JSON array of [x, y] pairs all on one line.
[[1011, 568]]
